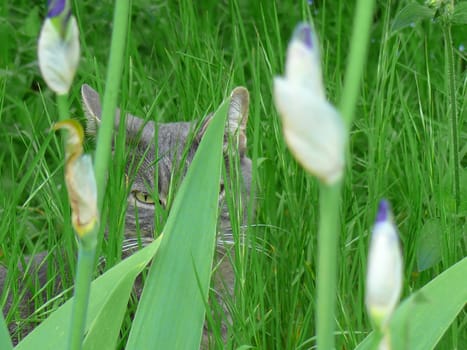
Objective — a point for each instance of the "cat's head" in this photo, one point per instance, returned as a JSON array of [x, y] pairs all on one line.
[[176, 145]]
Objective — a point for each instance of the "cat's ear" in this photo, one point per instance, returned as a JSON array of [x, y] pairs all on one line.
[[93, 111], [92, 108], [237, 119]]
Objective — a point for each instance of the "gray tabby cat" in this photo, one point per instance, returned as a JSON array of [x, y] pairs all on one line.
[[177, 144]]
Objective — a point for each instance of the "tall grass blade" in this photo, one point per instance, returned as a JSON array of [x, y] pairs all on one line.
[[171, 313], [122, 16]]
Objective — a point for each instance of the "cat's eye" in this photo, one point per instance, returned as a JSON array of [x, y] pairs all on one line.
[[146, 198], [143, 197]]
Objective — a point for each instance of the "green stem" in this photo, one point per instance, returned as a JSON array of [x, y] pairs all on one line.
[[452, 109], [328, 234], [357, 58], [112, 85], [63, 114], [87, 244], [328, 237], [62, 106], [85, 269]]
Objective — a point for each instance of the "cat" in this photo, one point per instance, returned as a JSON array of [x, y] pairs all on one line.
[[177, 144]]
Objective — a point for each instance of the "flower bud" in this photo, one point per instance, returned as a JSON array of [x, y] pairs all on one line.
[[384, 272], [313, 129], [58, 47], [80, 180], [82, 191]]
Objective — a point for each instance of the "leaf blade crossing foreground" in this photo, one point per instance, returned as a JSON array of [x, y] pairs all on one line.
[[421, 319], [53, 332], [171, 312], [5, 340]]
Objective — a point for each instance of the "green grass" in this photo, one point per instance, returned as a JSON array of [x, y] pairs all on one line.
[[182, 60]]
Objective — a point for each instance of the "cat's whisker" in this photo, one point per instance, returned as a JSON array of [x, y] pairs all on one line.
[[277, 228], [130, 244], [227, 240]]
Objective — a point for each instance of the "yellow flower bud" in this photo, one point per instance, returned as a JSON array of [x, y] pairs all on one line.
[[80, 180]]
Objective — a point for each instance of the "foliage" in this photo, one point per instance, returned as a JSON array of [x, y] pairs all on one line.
[[181, 60]]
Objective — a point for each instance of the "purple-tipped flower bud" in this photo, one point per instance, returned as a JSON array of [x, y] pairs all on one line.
[[313, 129], [384, 273], [59, 12], [58, 47]]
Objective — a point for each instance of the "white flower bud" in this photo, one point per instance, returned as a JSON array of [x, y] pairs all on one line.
[[58, 47], [384, 273], [313, 129]]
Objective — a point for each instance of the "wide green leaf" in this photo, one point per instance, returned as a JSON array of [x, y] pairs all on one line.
[[460, 13], [411, 13], [5, 340], [171, 312], [429, 244], [421, 320], [107, 303], [104, 330]]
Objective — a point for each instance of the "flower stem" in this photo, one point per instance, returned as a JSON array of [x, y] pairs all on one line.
[[87, 244], [357, 57], [85, 269], [112, 85], [62, 106], [328, 237], [328, 234], [63, 114], [452, 109]]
